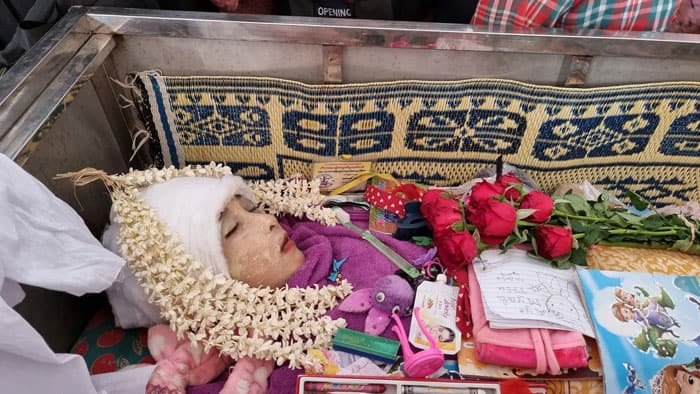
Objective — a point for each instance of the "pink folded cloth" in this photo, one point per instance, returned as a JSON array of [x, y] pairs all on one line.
[[543, 349]]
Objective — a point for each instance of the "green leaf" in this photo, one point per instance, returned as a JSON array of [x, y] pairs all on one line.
[[630, 218], [578, 226], [563, 205], [580, 205], [524, 213], [653, 222], [666, 301], [422, 241], [566, 264], [446, 195], [682, 245], [594, 234], [637, 201], [483, 246], [578, 256], [600, 208], [666, 347], [642, 291], [514, 239], [536, 256], [617, 220], [561, 259], [458, 226], [641, 341], [694, 249]]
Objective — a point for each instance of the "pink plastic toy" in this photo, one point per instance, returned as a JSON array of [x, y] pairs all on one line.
[[423, 363]]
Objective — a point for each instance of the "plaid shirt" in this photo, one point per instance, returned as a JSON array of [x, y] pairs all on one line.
[[641, 15]]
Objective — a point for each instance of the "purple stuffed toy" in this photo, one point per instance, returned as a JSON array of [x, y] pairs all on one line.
[[390, 294]]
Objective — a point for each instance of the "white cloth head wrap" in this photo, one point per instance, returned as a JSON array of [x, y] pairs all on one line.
[[190, 207]]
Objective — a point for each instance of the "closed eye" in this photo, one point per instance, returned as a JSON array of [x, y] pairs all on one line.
[[231, 231]]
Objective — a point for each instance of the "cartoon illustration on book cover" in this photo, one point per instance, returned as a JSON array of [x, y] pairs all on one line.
[[677, 378], [648, 330]]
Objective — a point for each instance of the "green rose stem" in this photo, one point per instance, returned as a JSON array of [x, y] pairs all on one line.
[[586, 218], [624, 231], [666, 230], [523, 223]]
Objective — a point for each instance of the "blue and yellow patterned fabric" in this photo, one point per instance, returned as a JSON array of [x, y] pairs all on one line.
[[642, 137]]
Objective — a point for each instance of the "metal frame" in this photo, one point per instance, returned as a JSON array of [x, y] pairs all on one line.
[[42, 83], [391, 34]]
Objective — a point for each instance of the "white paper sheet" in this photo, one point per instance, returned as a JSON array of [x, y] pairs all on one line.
[[521, 292]]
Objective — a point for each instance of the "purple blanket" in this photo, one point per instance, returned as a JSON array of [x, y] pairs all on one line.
[[364, 265]]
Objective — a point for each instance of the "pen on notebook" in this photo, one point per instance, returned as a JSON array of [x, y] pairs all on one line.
[[446, 390], [325, 387]]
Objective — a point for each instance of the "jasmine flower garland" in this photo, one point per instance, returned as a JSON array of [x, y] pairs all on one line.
[[296, 196], [214, 310]]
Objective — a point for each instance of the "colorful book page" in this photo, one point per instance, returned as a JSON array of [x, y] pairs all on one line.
[[648, 329]]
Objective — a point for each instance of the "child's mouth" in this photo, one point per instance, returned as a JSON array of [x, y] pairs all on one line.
[[288, 245]]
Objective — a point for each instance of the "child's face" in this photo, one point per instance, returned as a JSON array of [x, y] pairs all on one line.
[[627, 297], [688, 383], [627, 314], [257, 249], [440, 333]]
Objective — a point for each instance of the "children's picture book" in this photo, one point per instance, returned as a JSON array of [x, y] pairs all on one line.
[[647, 328]]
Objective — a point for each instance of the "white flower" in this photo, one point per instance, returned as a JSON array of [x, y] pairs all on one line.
[[204, 307]]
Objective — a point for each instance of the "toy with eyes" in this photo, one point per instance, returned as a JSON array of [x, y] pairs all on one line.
[[390, 294]]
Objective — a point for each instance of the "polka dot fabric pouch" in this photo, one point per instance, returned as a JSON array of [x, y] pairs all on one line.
[[108, 348]]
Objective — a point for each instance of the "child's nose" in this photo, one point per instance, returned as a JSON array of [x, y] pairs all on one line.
[[269, 222]]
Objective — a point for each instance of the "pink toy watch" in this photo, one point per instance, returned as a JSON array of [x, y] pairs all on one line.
[[425, 362]]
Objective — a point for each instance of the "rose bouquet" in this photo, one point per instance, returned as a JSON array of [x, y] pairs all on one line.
[[503, 213]]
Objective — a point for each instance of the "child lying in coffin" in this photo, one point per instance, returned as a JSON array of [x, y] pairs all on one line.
[[217, 222]]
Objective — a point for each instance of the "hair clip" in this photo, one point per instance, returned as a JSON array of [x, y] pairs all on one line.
[[433, 268]]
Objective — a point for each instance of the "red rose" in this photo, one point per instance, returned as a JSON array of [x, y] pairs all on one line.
[[506, 181], [494, 219], [440, 210], [553, 241], [456, 249], [431, 199], [484, 191], [541, 203]]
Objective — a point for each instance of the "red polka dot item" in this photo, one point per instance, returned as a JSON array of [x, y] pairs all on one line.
[[107, 348]]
